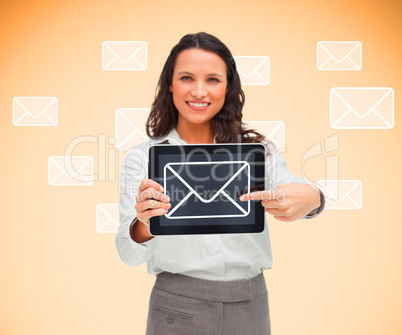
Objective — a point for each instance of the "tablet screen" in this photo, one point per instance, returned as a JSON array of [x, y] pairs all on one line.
[[204, 184]]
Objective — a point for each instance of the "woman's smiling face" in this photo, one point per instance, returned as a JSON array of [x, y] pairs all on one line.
[[198, 86]]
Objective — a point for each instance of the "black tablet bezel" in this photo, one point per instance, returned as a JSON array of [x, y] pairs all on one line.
[[234, 148]]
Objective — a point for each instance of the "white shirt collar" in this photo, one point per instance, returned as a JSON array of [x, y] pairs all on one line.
[[174, 138]]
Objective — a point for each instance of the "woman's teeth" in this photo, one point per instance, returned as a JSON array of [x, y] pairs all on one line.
[[198, 105]]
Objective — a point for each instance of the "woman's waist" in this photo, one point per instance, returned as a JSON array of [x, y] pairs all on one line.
[[211, 290]]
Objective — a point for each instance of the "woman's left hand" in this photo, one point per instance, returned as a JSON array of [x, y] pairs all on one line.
[[288, 202]]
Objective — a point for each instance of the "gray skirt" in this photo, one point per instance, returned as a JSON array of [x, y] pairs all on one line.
[[182, 305]]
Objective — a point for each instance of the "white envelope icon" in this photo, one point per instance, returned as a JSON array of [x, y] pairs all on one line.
[[232, 208], [70, 170], [35, 111], [335, 56], [341, 194], [253, 70], [124, 55], [107, 218], [273, 130], [130, 127], [362, 107]]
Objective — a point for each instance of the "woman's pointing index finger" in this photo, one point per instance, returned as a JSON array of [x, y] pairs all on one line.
[[260, 195]]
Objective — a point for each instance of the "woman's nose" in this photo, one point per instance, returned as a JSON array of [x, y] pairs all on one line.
[[199, 91]]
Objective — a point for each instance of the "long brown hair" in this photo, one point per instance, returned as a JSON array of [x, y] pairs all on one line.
[[227, 123]]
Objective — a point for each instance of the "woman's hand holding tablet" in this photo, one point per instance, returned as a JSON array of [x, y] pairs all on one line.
[[150, 202]]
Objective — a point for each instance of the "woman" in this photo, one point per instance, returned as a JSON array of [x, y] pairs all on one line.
[[210, 284]]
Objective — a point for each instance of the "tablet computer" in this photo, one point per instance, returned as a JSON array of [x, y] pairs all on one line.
[[204, 184]]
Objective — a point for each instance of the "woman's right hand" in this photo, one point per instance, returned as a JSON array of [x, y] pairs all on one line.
[[150, 201]]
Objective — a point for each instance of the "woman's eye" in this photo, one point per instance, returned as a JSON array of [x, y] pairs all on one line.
[[190, 78]]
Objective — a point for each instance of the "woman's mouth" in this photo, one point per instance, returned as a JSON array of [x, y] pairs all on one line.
[[198, 105]]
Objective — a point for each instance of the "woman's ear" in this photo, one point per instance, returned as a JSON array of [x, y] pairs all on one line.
[[170, 89]]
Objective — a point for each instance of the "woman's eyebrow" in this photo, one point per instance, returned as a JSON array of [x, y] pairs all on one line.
[[184, 72], [215, 74], [191, 74]]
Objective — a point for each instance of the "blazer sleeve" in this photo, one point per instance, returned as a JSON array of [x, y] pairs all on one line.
[[278, 173], [134, 169]]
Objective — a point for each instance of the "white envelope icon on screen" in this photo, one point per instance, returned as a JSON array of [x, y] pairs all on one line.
[[130, 127], [202, 197], [107, 218], [124, 55], [35, 111], [335, 56], [273, 130], [362, 107], [341, 194], [253, 70], [70, 170]]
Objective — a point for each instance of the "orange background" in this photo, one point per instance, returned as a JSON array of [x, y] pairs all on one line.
[[337, 274]]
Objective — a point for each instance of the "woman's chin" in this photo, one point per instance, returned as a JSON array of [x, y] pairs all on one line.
[[197, 121]]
